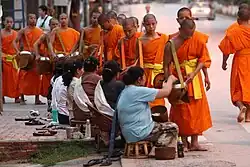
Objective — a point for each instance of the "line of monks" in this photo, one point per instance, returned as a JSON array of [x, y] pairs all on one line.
[[150, 50]]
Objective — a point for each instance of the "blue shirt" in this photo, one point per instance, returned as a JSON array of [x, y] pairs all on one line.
[[134, 113]]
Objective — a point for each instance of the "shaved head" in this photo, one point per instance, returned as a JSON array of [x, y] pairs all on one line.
[[31, 19], [243, 6], [123, 16], [184, 9], [149, 16], [135, 20], [8, 22], [187, 28], [8, 18], [128, 21], [112, 15], [244, 15], [63, 15], [102, 18]]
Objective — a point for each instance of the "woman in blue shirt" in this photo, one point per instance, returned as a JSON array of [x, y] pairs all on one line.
[[134, 112]]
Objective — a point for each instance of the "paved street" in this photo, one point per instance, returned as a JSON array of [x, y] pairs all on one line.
[[228, 141]]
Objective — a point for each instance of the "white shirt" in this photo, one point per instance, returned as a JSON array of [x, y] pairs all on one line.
[[59, 97], [70, 96], [45, 27]]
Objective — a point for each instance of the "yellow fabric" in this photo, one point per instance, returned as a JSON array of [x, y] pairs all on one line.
[[156, 69], [190, 67], [11, 58], [60, 52]]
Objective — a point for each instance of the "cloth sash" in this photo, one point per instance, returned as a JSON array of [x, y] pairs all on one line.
[[156, 69], [80, 97], [11, 58], [101, 102], [190, 66]]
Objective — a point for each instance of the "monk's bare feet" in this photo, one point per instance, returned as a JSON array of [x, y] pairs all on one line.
[[3, 100], [39, 103], [242, 113], [247, 116], [17, 100], [197, 148], [186, 144]]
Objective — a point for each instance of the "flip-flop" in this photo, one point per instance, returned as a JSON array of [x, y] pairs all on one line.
[[45, 133], [242, 113], [34, 122]]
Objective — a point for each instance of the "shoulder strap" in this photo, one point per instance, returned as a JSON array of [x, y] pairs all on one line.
[[44, 21], [140, 53], [26, 39], [81, 45], [60, 40], [123, 54], [176, 62]]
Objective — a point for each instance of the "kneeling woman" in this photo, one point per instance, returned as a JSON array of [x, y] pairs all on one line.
[[134, 112]]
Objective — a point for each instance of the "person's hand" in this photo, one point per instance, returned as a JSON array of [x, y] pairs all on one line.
[[190, 77], [224, 66], [207, 83], [38, 56], [173, 78]]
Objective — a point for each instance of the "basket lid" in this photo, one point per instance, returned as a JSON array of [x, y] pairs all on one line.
[[25, 53], [60, 55], [178, 86], [44, 59]]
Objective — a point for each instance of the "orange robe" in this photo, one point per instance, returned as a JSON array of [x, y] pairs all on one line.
[[10, 72], [92, 36], [129, 46], [110, 40], [192, 118], [237, 42], [235, 24], [69, 38], [29, 81], [203, 37], [153, 52]]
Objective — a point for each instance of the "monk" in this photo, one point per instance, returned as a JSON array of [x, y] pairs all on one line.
[[44, 47], [64, 38], [192, 118], [29, 80], [111, 37], [126, 48], [10, 69], [90, 37], [121, 18], [236, 41], [185, 13], [136, 22], [152, 44], [236, 24], [112, 15]]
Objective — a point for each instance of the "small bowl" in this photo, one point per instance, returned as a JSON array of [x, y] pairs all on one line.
[[159, 114]]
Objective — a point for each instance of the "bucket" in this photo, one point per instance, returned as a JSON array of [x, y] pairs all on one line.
[[70, 131], [165, 153]]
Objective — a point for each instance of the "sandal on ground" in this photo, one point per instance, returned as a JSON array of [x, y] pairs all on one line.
[[34, 122], [24, 119], [45, 133], [39, 103]]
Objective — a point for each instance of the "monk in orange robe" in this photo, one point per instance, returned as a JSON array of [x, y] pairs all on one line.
[[237, 42], [113, 34], [112, 15], [136, 22], [126, 48], [9, 78], [90, 37], [64, 38], [29, 80], [44, 47], [152, 46], [192, 118], [185, 13]]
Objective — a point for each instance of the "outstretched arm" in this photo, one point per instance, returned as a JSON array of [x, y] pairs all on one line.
[[18, 39], [37, 44], [167, 59]]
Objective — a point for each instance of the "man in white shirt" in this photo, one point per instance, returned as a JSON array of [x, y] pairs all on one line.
[[43, 20]]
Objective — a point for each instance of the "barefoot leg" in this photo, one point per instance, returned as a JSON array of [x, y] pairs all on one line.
[[37, 101], [3, 100], [17, 100], [185, 143], [195, 144], [242, 109], [22, 102], [247, 116]]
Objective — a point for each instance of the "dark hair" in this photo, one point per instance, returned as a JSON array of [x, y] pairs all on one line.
[[90, 64], [243, 14], [183, 9], [110, 70], [44, 8], [132, 75], [58, 69], [70, 69]]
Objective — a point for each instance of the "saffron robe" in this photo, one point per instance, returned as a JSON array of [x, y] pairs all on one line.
[[192, 118], [153, 52], [69, 39], [10, 71], [29, 81], [110, 41], [237, 42]]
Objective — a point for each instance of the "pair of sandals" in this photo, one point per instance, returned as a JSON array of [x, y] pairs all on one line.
[[45, 132]]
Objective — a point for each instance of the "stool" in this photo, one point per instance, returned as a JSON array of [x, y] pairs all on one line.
[[138, 150]]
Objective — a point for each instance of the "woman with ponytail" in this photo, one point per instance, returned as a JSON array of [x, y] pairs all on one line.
[[73, 70], [134, 113]]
